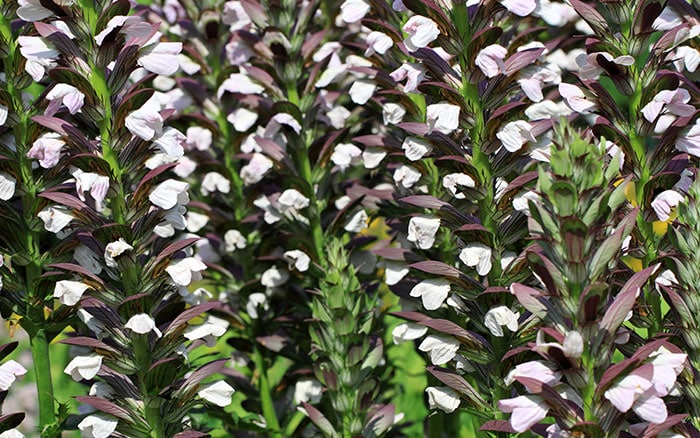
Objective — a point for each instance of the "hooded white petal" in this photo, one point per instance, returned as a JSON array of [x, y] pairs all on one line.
[[298, 260], [357, 222], [442, 117], [499, 316], [433, 292], [97, 426], [422, 230], [84, 367], [274, 277], [185, 270], [307, 390], [218, 393], [7, 186], [408, 331], [477, 255], [441, 348], [416, 148], [170, 193], [69, 292], [115, 249], [9, 371], [443, 398], [142, 323]]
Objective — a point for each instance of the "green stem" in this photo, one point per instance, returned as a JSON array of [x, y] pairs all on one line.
[[268, 408], [294, 423], [152, 403], [588, 392], [42, 372]]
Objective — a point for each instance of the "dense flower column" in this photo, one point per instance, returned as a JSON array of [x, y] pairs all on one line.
[[628, 87], [472, 126], [579, 308], [33, 163], [127, 277]]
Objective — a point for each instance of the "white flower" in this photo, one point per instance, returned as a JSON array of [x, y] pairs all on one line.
[[297, 259], [520, 8], [575, 98], [256, 300], [352, 11], [196, 221], [208, 331], [199, 138], [477, 255], [452, 180], [255, 170], [337, 116], [490, 60], [515, 134], [69, 292], [84, 367], [361, 91], [521, 202], [9, 371], [115, 249], [501, 316], [373, 156], [665, 202], [47, 149], [346, 154], [12, 433], [234, 239], [184, 271], [433, 292], [214, 182], [421, 32], [307, 390], [97, 184], [70, 96], [408, 331], [4, 111], [142, 323], [441, 348], [442, 117], [394, 272], [407, 176], [55, 218], [416, 148], [291, 201], [393, 113], [274, 277], [7, 186], [218, 393], [357, 222], [32, 10], [378, 42], [170, 193], [97, 426], [242, 119], [444, 398], [422, 230], [240, 83]]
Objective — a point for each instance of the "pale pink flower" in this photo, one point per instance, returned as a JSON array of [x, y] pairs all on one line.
[[352, 11], [535, 370], [240, 83], [689, 140], [527, 410], [378, 42], [160, 58], [491, 60], [421, 32], [198, 138], [667, 366], [47, 149], [32, 10], [40, 55], [665, 202], [95, 183], [64, 94], [637, 393], [256, 169], [554, 13], [412, 73], [9, 371], [575, 98], [533, 78], [666, 105], [235, 16], [686, 57], [590, 68], [520, 8], [145, 122]]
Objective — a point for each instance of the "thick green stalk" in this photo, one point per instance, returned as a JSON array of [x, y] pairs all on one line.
[[44, 384], [268, 407]]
